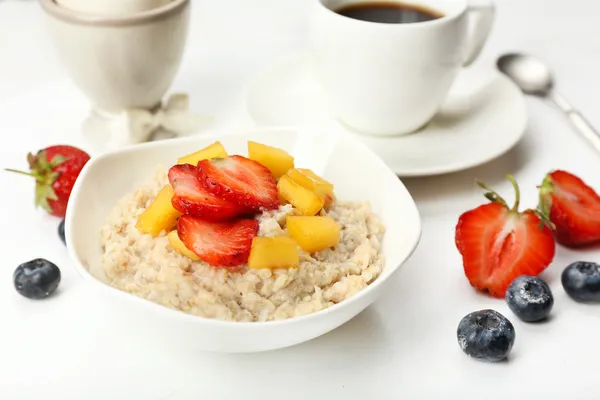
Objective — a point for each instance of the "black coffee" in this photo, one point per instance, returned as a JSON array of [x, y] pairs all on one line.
[[389, 12]]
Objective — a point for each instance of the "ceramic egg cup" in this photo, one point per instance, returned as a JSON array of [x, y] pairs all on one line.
[[124, 63]]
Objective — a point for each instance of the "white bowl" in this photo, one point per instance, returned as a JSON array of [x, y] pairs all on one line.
[[356, 172]]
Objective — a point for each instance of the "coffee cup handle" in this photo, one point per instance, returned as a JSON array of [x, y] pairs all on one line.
[[480, 15]]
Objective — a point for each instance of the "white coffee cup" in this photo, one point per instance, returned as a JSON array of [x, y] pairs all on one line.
[[391, 79]]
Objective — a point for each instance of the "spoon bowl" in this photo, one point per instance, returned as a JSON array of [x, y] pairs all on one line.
[[529, 73], [535, 78]]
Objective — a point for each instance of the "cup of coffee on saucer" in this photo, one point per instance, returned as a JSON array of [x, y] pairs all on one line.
[[386, 67]]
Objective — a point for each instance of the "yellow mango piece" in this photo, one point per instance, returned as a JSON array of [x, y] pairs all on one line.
[[303, 199], [313, 233], [215, 150], [273, 252], [311, 181], [179, 247], [282, 201], [276, 160], [160, 214]]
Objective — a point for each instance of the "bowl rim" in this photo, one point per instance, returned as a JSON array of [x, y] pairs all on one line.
[[173, 313], [52, 8]]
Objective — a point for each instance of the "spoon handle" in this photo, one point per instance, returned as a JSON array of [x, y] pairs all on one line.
[[578, 121]]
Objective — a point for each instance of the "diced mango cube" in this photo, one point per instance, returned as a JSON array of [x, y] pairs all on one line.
[[311, 181], [215, 150], [179, 247], [282, 201], [303, 199], [160, 214], [313, 233], [273, 252], [278, 161]]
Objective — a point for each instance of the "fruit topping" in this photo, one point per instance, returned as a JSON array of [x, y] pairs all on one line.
[[530, 298], [210, 204], [160, 216], [499, 244], [179, 247], [215, 150], [311, 181], [241, 181], [55, 170], [273, 252], [301, 198], [281, 199], [278, 161], [61, 231], [36, 279], [486, 335], [581, 281], [572, 206], [190, 197], [313, 233], [220, 244]]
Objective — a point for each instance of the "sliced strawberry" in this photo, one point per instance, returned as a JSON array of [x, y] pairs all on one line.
[[499, 244], [220, 244], [192, 198], [240, 180], [573, 207]]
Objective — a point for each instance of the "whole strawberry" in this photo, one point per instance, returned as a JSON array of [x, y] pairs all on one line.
[[499, 244], [573, 207], [55, 170]]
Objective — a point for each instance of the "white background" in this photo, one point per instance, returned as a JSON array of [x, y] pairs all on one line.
[[402, 347]]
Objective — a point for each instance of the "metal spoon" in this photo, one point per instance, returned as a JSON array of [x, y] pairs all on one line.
[[535, 78]]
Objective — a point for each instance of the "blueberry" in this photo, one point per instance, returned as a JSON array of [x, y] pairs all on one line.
[[530, 298], [581, 281], [36, 279], [486, 335], [61, 231]]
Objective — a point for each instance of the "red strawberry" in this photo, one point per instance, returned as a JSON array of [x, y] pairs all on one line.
[[573, 207], [55, 170], [499, 244], [240, 180], [220, 244], [192, 198]]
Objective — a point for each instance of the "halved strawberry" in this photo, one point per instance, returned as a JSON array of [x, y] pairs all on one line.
[[190, 197], [240, 180], [499, 244], [220, 244], [572, 206]]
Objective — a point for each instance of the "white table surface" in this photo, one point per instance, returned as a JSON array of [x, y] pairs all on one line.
[[404, 346]]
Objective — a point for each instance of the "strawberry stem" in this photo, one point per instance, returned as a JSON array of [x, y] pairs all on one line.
[[491, 195], [37, 178], [517, 192], [494, 197], [545, 202]]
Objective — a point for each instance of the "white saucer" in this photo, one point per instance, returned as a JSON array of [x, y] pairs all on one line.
[[484, 116]]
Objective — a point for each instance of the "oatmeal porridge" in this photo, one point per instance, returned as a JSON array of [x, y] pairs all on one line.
[[148, 265]]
